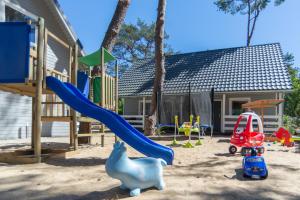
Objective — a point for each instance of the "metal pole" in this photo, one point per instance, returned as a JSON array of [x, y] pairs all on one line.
[[158, 94], [212, 93], [190, 104]]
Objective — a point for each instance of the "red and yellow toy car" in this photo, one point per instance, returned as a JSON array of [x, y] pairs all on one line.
[[247, 132]]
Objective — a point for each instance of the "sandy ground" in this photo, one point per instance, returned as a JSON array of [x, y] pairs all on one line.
[[204, 172]]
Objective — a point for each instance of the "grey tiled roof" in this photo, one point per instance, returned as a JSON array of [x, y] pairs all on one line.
[[254, 68]]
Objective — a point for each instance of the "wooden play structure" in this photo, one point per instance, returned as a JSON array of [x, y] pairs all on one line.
[[103, 91], [46, 106]]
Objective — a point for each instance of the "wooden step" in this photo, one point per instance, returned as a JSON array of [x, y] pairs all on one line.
[[55, 118]]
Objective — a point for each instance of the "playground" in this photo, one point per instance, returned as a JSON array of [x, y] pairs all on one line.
[[85, 128], [209, 173]]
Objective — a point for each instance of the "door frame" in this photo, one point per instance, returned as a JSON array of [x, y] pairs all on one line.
[[222, 114]]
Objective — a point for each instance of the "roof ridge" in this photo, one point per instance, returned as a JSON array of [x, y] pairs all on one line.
[[239, 47], [211, 50]]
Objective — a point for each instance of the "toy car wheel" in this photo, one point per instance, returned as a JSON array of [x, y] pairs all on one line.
[[265, 176], [232, 149], [245, 175], [244, 151]]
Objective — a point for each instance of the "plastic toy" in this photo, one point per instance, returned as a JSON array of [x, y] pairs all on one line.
[[254, 166], [136, 174], [286, 138], [174, 142], [200, 131], [189, 144], [246, 133], [187, 127], [76, 100]]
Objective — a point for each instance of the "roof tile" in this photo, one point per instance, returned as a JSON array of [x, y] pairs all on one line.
[[258, 67]]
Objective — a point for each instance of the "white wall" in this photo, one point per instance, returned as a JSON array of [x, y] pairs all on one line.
[[2, 9], [15, 116], [15, 110]]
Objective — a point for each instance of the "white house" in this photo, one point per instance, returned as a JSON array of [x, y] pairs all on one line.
[[15, 110]]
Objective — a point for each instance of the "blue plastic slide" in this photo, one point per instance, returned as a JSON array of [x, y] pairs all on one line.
[[80, 95], [75, 99]]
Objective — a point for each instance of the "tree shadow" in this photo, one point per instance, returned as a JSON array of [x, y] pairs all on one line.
[[223, 141], [225, 154], [258, 193], [76, 162], [13, 146], [284, 167], [174, 146], [111, 193], [239, 176]]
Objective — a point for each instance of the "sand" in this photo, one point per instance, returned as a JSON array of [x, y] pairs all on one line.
[[204, 172]]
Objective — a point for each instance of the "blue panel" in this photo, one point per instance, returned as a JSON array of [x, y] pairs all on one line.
[[83, 83], [73, 97], [14, 52]]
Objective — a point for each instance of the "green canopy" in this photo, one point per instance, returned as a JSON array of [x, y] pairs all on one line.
[[94, 59]]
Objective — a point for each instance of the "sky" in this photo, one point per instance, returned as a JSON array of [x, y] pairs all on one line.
[[193, 25]]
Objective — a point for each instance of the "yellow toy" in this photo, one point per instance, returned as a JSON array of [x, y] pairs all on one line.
[[197, 124], [189, 144], [174, 143]]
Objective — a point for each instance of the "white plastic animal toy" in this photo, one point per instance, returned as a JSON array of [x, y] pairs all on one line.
[[135, 174]]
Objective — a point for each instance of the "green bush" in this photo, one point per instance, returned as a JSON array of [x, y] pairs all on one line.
[[291, 123], [120, 106]]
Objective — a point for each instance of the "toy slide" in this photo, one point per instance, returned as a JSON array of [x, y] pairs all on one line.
[[79, 94], [75, 99]]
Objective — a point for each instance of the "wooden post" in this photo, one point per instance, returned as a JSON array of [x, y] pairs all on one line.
[[144, 111], [70, 63], [102, 79], [116, 87], [73, 131], [33, 122], [102, 101], [116, 91], [45, 58], [38, 91], [70, 81], [223, 113], [262, 117], [280, 110], [102, 140]]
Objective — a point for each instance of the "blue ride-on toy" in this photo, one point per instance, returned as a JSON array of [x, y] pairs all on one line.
[[254, 165]]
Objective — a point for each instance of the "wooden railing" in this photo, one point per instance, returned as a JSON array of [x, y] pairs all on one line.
[[53, 105], [109, 97], [136, 121]]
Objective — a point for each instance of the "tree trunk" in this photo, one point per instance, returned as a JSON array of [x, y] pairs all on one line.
[[248, 23], [160, 71], [114, 28]]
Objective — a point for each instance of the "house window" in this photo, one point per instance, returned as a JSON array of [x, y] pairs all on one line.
[[147, 107], [12, 15], [235, 105]]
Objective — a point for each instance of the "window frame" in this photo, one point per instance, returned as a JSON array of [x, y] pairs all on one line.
[[140, 106], [231, 100]]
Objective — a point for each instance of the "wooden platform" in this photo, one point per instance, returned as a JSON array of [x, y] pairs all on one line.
[[27, 156], [86, 119], [27, 89], [56, 119]]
